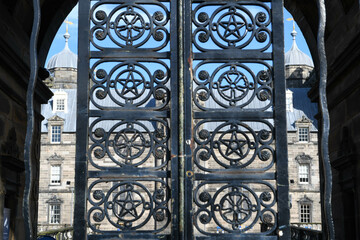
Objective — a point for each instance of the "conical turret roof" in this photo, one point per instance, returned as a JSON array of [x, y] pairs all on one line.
[[295, 56]]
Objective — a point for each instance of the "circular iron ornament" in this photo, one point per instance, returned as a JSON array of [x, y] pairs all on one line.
[[265, 196], [129, 143], [263, 76], [203, 37], [233, 85], [98, 217], [158, 16], [100, 15], [159, 74], [205, 197], [234, 145], [204, 156], [232, 26], [203, 17], [203, 75], [265, 155], [203, 96], [98, 195], [267, 218], [100, 35], [261, 37], [129, 25], [204, 218], [264, 134], [99, 132], [159, 95], [131, 82], [204, 134], [101, 73], [159, 36], [99, 153], [264, 95], [159, 216], [261, 17], [236, 208], [100, 94], [130, 204]]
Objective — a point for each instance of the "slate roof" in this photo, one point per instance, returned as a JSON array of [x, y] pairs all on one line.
[[301, 103]]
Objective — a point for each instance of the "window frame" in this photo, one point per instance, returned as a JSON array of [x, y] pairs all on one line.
[[302, 135], [60, 95], [58, 136], [52, 174], [301, 173], [305, 215], [53, 215], [60, 105]]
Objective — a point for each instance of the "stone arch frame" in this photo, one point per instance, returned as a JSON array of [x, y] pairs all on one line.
[[304, 13]]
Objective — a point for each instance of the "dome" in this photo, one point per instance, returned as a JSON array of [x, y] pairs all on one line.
[[295, 56], [66, 58]]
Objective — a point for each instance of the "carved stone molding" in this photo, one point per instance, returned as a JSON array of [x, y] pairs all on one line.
[[303, 158], [55, 157]]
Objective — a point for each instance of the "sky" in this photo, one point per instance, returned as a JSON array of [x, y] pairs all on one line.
[[59, 41]]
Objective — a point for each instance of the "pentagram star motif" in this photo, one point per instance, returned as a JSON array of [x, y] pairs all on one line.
[[130, 84], [232, 26], [234, 145], [128, 206]]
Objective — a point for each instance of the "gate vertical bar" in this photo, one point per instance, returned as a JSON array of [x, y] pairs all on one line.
[[182, 120], [175, 121], [82, 123], [188, 119], [280, 122]]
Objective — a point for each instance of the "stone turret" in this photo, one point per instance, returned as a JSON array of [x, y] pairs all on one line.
[[63, 68], [298, 66]]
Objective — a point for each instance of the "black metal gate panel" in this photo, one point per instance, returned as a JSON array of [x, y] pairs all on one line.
[[181, 129]]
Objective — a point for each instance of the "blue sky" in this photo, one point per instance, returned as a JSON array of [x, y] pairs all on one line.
[[59, 42]]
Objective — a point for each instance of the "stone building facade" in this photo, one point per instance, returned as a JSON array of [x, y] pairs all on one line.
[[58, 141]]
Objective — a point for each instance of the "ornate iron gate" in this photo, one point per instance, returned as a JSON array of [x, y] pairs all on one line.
[[181, 129]]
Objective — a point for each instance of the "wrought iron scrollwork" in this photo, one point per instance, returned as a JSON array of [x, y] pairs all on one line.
[[233, 144], [141, 143], [242, 85], [129, 205], [129, 84], [231, 25], [234, 207], [140, 24]]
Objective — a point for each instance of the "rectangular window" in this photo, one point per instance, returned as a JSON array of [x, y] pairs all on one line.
[[304, 173], [303, 134], [55, 177], [60, 104], [56, 134], [54, 213], [305, 214]]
